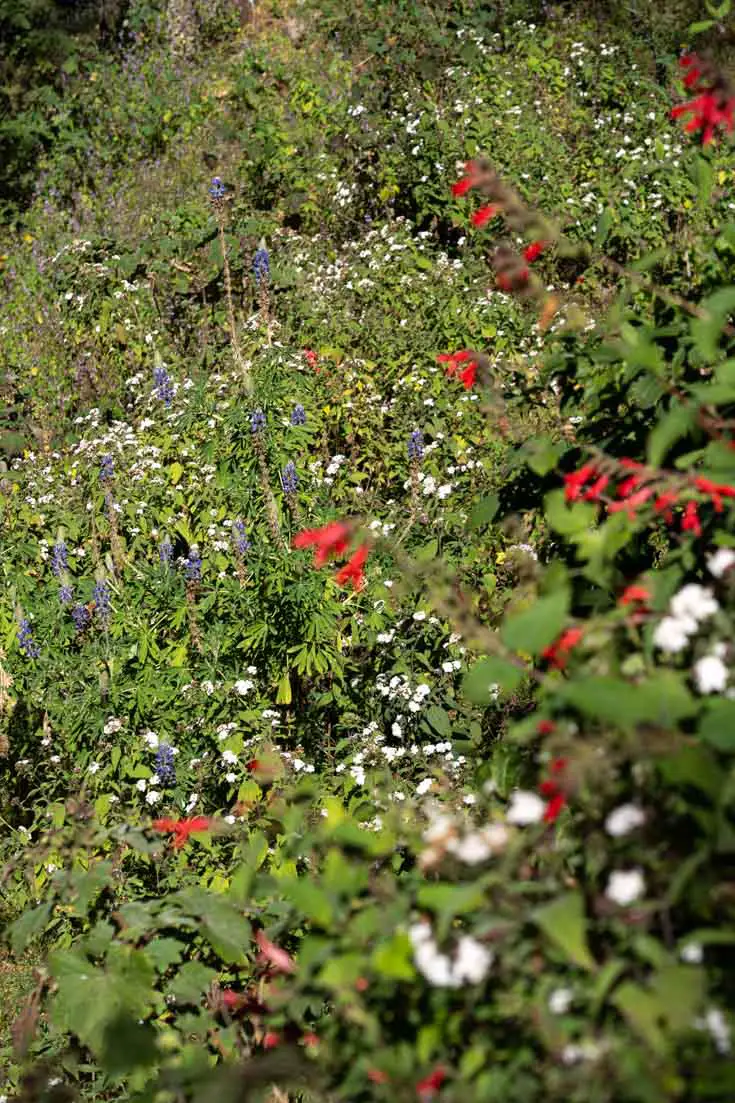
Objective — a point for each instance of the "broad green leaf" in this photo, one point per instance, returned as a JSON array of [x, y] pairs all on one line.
[[661, 699], [479, 683], [450, 900], [30, 924], [717, 725], [191, 982], [310, 900], [438, 719], [564, 922], [535, 628], [644, 1013], [484, 511], [393, 959], [669, 429], [568, 519]]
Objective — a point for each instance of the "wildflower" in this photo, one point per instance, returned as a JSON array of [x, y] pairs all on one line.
[[59, 561], [107, 468], [66, 594], [416, 446], [311, 357], [261, 264], [625, 886], [468, 375], [101, 598], [560, 1001], [193, 565], [81, 617], [484, 215], [557, 653], [716, 1023], [472, 960], [274, 955], [353, 569], [720, 562], [635, 594], [710, 674], [329, 541], [468, 181], [243, 686], [533, 251], [694, 602], [692, 953], [241, 541], [716, 491], [163, 387], [165, 764], [298, 415], [430, 1085], [181, 829], [165, 551], [624, 819], [217, 189], [289, 478], [713, 108], [663, 505], [553, 791], [690, 521], [271, 1039], [27, 644], [257, 421], [671, 635], [576, 480], [525, 808]]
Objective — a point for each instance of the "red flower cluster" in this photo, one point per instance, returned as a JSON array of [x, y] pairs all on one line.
[[533, 251], [430, 1085], [454, 360], [466, 182], [557, 653], [712, 108], [635, 595], [332, 540], [556, 798], [483, 215], [575, 484], [311, 357], [181, 829]]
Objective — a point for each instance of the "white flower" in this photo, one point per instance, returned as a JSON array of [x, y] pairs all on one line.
[[525, 808], [113, 725], [141, 785], [672, 634], [710, 674], [560, 1001], [720, 561], [625, 886], [151, 739], [229, 757], [243, 686], [623, 820], [694, 602], [420, 615], [575, 1052], [435, 966], [472, 961], [692, 953], [472, 849], [93, 767], [230, 778], [208, 688], [716, 1023], [424, 786], [152, 796]]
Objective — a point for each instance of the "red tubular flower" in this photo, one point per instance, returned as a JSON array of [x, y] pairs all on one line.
[[533, 251], [663, 505], [716, 491], [574, 482], [554, 807], [690, 521], [713, 107], [468, 375], [273, 955], [330, 540], [484, 215], [271, 1040], [232, 1001], [429, 1086], [628, 486], [513, 282], [545, 727], [635, 594], [557, 653], [632, 502], [181, 829], [594, 492], [353, 570], [466, 182], [311, 357]]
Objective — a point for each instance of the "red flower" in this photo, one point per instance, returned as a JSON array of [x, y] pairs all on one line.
[[593, 493], [574, 482], [468, 181], [717, 491], [534, 250], [353, 569], [271, 1040], [628, 486], [545, 727], [690, 521], [468, 375], [713, 107], [231, 1000], [482, 216], [558, 652], [377, 1076], [311, 357], [310, 1039], [273, 955], [633, 594], [181, 829], [663, 504], [330, 540], [429, 1086], [554, 807], [632, 502], [512, 282]]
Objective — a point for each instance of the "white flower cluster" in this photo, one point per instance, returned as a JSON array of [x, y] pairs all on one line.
[[469, 964], [473, 846], [687, 610]]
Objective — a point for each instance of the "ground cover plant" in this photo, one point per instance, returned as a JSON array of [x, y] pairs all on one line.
[[367, 714]]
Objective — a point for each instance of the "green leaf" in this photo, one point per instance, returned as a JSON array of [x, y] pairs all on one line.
[[438, 719], [127, 1045], [310, 900], [228, 933], [283, 694], [176, 471], [28, 926], [668, 430], [644, 1014], [707, 331], [484, 511], [450, 900], [661, 699], [534, 629], [717, 726], [564, 922], [191, 982], [394, 959], [479, 683], [165, 952], [568, 519]]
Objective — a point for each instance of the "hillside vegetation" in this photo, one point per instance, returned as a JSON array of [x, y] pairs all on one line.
[[367, 485]]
